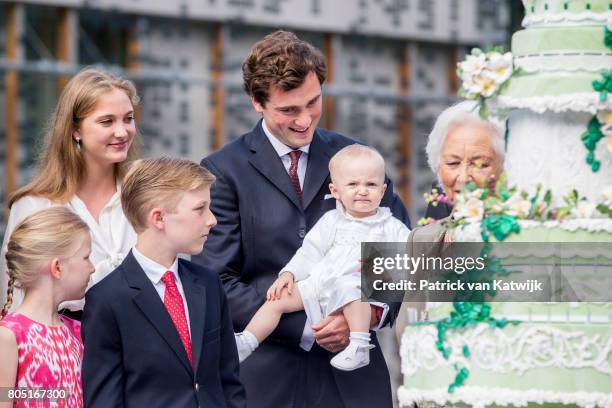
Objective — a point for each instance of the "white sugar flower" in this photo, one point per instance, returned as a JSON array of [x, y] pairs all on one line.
[[609, 143], [518, 206], [467, 233], [472, 88], [472, 210], [473, 64], [499, 67], [482, 74], [583, 209], [465, 196], [484, 86]]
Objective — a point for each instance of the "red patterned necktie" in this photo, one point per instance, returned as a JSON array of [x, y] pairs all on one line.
[[174, 304], [293, 176]]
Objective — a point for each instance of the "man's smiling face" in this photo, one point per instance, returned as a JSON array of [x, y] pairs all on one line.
[[292, 116]]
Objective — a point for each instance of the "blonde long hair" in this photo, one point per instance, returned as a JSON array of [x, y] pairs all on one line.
[[37, 239], [61, 163]]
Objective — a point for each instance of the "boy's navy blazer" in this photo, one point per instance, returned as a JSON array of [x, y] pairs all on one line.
[[261, 224], [134, 356]]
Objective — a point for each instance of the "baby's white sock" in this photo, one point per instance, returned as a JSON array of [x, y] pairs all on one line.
[[360, 338]]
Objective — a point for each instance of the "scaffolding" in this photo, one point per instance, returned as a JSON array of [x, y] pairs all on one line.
[[51, 43]]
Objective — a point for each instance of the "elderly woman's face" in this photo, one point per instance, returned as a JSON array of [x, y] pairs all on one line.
[[467, 156]]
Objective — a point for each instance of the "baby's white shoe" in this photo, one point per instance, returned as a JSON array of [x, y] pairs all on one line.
[[245, 344], [353, 357]]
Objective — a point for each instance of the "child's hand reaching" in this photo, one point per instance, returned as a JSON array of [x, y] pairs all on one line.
[[285, 279]]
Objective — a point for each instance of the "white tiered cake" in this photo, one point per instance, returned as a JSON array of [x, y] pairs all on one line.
[[560, 354], [558, 55]]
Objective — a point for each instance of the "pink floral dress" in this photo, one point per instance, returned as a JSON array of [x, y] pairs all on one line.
[[49, 358]]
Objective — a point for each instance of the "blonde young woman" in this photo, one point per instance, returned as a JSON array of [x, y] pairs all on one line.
[[90, 141], [48, 257]]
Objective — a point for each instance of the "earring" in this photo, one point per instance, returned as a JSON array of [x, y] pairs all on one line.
[[78, 143]]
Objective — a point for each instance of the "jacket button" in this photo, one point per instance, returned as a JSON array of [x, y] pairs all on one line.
[[302, 233], [197, 387]]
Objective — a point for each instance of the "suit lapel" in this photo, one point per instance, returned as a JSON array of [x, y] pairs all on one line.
[[317, 171], [266, 161], [195, 295], [148, 301]]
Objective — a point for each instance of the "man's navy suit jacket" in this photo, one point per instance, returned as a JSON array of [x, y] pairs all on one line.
[[261, 224], [134, 356]]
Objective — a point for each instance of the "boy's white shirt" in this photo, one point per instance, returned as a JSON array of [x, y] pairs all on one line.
[[155, 271]]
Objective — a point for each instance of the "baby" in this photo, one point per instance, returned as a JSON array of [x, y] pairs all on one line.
[[326, 267]]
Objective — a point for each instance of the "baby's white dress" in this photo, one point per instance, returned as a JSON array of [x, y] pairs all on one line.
[[326, 267]]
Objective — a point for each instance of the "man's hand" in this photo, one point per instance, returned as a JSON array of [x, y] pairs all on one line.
[[285, 279], [332, 333]]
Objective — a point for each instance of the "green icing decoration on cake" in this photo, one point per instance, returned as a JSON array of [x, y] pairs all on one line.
[[564, 6], [544, 378]]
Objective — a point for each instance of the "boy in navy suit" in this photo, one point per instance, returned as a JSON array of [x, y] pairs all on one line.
[[157, 330]]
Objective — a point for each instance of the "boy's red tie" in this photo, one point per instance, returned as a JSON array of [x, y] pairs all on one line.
[[174, 304]]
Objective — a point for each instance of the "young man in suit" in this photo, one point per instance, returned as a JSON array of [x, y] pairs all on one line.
[[157, 330], [270, 190]]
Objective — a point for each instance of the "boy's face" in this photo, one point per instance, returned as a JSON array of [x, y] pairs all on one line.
[[187, 227], [359, 185]]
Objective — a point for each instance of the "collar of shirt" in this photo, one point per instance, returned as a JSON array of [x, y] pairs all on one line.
[[281, 148], [116, 198], [154, 270]]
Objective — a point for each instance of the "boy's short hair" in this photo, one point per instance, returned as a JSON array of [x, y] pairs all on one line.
[[159, 182], [354, 151], [280, 59]]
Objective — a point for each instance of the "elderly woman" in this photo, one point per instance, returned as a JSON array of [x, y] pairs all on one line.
[[463, 148]]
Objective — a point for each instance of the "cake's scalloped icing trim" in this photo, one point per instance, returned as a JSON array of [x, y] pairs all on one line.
[[564, 18], [588, 224], [578, 102], [481, 397], [564, 62]]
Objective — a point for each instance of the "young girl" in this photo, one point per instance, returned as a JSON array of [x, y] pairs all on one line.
[[48, 258], [89, 144], [326, 267]]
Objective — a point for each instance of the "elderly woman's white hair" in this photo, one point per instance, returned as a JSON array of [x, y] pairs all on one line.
[[461, 113]]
